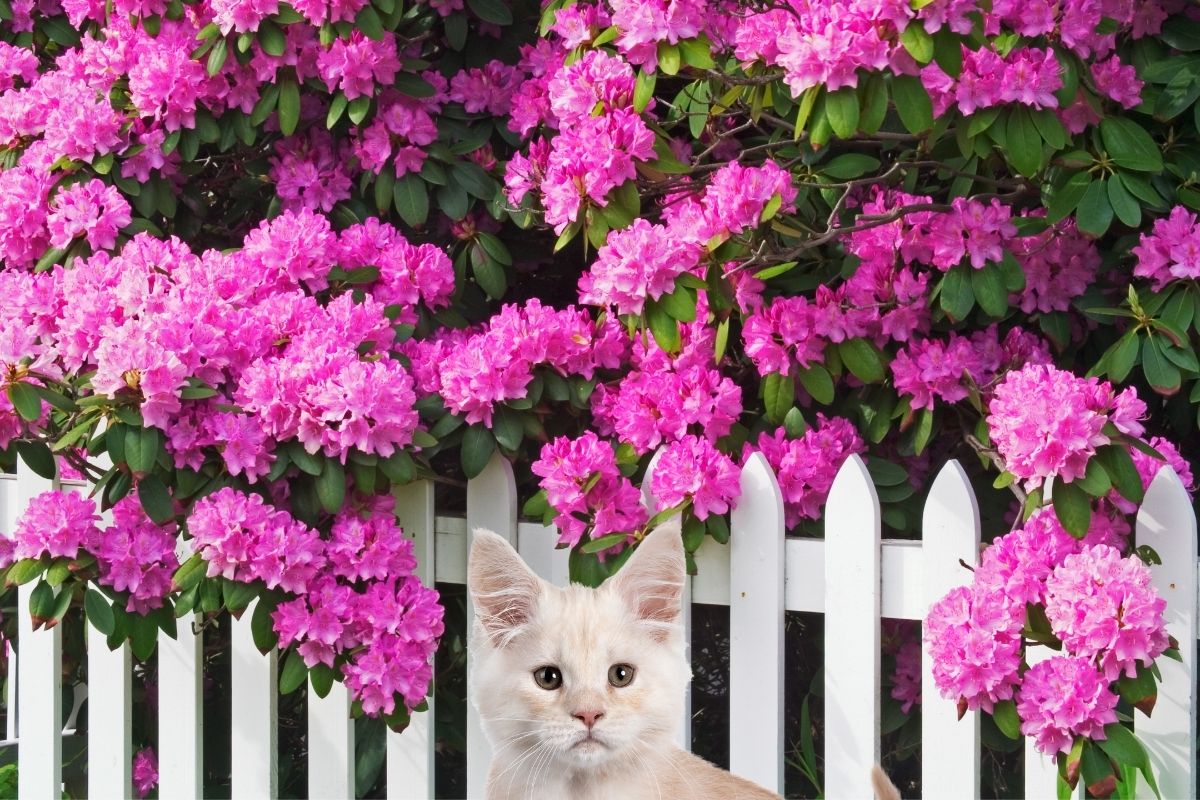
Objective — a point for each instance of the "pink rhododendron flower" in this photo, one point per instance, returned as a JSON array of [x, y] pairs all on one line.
[[55, 524], [566, 467], [974, 642], [145, 771], [692, 469], [93, 210], [1171, 251], [137, 556], [1061, 698], [637, 263], [1104, 608], [1046, 422]]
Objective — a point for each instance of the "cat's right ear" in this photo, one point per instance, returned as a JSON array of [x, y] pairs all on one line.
[[503, 590]]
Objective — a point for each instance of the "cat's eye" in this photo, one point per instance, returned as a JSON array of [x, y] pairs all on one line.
[[620, 675], [548, 677]]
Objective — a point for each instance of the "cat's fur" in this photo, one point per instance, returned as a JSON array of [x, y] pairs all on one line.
[[539, 736]]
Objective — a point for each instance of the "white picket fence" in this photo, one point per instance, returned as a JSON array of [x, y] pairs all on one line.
[[851, 576]]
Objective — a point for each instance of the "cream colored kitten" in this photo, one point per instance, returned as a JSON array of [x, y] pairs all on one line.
[[580, 689]]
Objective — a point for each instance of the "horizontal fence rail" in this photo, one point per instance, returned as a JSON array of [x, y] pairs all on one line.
[[852, 576]]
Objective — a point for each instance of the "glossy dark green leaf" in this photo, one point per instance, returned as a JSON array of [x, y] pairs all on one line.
[[1073, 507], [494, 11], [25, 400], [987, 284], [411, 198], [1023, 141], [1094, 213], [957, 298], [1129, 145], [478, 444], [817, 381], [294, 673], [862, 359], [842, 109], [779, 393], [155, 499], [331, 486], [912, 103], [289, 106]]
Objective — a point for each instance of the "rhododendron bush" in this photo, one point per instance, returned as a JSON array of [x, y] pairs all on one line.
[[262, 262]]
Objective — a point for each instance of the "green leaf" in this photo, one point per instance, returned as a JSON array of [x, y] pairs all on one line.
[[850, 165], [841, 107], [1161, 373], [99, 612], [664, 328], [1073, 507], [669, 59], [23, 571], [41, 604], [294, 673], [817, 381], [331, 486], [488, 274], [289, 106], [369, 23], [495, 11], [216, 57], [1095, 213], [358, 109], [987, 285], [643, 89], [141, 448], [957, 298], [1124, 205], [603, 543], [1095, 480], [1129, 145], [155, 499], [190, 573], [1005, 715], [923, 430], [478, 444], [1023, 141], [697, 52], [779, 393], [38, 458], [680, 304], [1123, 747], [862, 359], [238, 596], [270, 38], [321, 677], [1062, 201], [1120, 467], [918, 43], [472, 177], [508, 428], [411, 199], [912, 103], [262, 628], [25, 400], [385, 181]]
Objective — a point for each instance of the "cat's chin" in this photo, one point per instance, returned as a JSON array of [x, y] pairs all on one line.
[[589, 752]]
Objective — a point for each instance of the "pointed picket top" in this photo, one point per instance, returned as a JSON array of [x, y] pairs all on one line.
[[949, 534], [853, 596], [1166, 523], [756, 616], [491, 504]]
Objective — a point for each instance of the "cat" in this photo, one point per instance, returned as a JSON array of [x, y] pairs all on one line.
[[580, 689]]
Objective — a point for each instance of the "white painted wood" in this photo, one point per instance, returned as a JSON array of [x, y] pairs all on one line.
[[1041, 773], [254, 696], [39, 704], [684, 731], [410, 754], [852, 656], [756, 663], [1166, 523], [949, 533], [537, 544], [181, 718], [491, 504], [330, 743], [903, 593], [110, 718], [710, 584]]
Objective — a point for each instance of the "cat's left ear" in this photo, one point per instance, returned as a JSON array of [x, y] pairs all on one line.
[[503, 590], [651, 581]]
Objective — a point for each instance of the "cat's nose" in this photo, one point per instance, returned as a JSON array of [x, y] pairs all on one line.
[[588, 718]]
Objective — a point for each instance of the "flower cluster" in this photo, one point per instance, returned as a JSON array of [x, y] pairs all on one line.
[[1028, 76], [580, 478], [1100, 605], [692, 469], [1171, 251], [1046, 422], [145, 771], [1059, 264]]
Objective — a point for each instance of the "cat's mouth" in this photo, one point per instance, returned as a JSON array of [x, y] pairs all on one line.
[[590, 742]]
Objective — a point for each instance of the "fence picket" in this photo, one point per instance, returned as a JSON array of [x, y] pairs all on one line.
[[410, 755], [491, 504], [949, 533], [39, 668], [255, 699], [110, 725], [852, 602], [181, 732], [1166, 523], [1041, 773], [684, 732], [756, 676]]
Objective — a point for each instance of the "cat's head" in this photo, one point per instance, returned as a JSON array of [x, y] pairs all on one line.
[[577, 676]]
